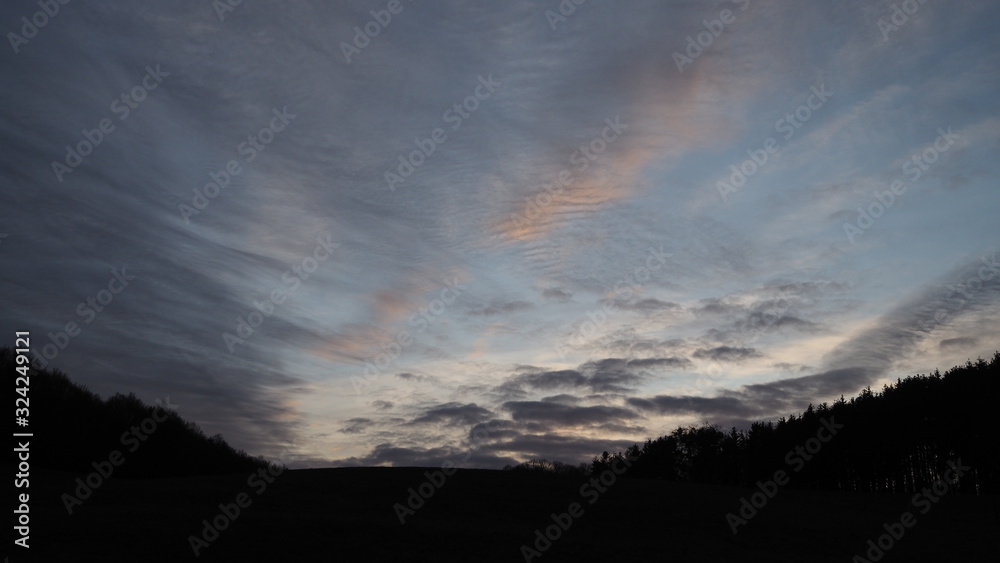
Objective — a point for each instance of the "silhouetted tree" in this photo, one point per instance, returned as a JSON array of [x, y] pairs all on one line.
[[899, 440], [80, 429]]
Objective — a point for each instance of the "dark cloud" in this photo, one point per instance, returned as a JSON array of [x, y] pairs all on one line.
[[612, 375], [411, 376], [382, 405], [498, 429], [497, 307], [962, 291], [793, 394], [727, 354], [715, 407], [554, 379], [790, 367], [620, 428], [565, 415], [557, 295], [760, 401], [396, 456], [717, 306], [959, 342], [453, 414], [647, 305], [569, 449], [563, 399], [771, 308], [673, 363], [357, 425]]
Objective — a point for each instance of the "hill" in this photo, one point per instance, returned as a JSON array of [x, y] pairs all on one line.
[[478, 515], [899, 440], [79, 429], [905, 474]]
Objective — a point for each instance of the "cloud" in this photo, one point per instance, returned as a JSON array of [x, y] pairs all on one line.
[[397, 456], [612, 375], [382, 405], [554, 379], [562, 399], [759, 401], [411, 376], [357, 425], [962, 291], [727, 354], [959, 342], [564, 415], [721, 407], [498, 307], [646, 305], [570, 449], [557, 295], [453, 414], [673, 363]]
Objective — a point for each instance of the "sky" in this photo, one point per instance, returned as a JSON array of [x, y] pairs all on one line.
[[410, 233]]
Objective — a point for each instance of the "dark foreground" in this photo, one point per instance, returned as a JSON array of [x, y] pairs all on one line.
[[348, 515]]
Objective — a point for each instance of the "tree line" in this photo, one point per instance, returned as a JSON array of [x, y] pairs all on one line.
[[73, 428], [899, 440]]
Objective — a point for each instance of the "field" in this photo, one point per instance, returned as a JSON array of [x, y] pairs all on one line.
[[348, 514]]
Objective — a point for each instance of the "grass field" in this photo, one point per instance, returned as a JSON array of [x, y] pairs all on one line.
[[348, 515]]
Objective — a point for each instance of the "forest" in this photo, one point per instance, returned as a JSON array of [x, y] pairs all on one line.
[[74, 428], [898, 440]]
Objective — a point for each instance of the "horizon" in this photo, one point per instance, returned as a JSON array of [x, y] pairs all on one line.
[[393, 233]]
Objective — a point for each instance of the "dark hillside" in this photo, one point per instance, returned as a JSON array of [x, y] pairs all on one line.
[[899, 440], [73, 428]]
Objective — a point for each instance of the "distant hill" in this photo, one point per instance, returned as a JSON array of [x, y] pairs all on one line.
[[73, 429], [899, 440]]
